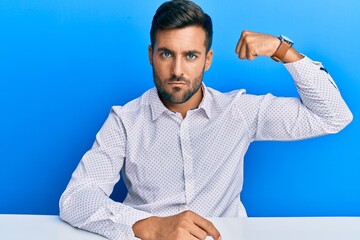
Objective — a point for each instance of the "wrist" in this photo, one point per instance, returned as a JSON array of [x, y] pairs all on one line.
[[292, 56], [282, 49], [285, 52]]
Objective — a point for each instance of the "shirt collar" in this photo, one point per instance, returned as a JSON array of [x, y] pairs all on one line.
[[206, 101], [157, 107]]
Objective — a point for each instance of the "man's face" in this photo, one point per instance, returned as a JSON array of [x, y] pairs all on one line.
[[179, 60]]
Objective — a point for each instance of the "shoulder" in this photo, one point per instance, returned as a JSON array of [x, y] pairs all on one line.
[[134, 106], [224, 97], [237, 100]]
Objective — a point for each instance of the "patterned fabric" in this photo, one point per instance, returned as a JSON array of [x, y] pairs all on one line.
[[171, 164]]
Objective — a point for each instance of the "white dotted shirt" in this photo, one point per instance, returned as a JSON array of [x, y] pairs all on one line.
[[171, 164]]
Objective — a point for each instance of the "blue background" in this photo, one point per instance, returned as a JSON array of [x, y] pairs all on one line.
[[63, 64]]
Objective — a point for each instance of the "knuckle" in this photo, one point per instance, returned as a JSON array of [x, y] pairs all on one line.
[[249, 41], [187, 213], [246, 39], [245, 33], [183, 222]]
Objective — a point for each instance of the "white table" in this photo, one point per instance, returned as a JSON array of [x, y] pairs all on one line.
[[43, 227], [40, 227], [310, 228]]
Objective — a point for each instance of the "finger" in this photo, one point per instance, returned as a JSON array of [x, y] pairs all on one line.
[[244, 47], [250, 54], [243, 51], [189, 236], [207, 226], [187, 225], [238, 46], [182, 235], [198, 232]]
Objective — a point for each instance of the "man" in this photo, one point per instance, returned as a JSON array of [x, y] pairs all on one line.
[[180, 146]]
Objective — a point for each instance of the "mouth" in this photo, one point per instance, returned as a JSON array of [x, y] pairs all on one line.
[[177, 82]]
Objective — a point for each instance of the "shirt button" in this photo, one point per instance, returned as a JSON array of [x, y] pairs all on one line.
[[186, 156], [183, 208]]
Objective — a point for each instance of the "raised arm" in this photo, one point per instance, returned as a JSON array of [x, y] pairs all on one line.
[[319, 110]]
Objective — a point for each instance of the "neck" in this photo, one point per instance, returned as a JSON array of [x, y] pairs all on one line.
[[183, 108]]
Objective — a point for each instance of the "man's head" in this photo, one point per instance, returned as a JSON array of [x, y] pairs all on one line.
[[179, 14], [181, 36]]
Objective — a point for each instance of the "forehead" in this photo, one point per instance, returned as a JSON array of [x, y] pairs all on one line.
[[181, 39]]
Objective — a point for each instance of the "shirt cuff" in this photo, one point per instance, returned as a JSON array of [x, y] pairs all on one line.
[[306, 68], [127, 218]]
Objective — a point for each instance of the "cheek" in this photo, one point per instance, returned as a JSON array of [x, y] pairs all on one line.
[[161, 69], [196, 70]]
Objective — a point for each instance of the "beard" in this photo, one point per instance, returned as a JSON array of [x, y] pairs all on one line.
[[177, 95]]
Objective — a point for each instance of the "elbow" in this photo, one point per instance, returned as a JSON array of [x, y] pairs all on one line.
[[62, 207], [65, 208], [341, 122], [67, 212], [349, 118]]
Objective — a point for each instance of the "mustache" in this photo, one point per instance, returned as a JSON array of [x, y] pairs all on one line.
[[178, 79]]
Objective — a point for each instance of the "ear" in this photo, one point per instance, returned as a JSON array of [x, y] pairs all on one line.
[[150, 52], [208, 60]]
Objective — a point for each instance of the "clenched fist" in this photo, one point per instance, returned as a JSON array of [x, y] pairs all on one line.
[[252, 45]]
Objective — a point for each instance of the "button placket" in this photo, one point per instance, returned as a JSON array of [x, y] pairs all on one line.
[[188, 161]]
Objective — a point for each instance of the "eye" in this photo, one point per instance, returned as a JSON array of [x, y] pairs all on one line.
[[191, 56], [166, 54]]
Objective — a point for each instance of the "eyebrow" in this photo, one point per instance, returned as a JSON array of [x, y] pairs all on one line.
[[194, 51], [163, 49]]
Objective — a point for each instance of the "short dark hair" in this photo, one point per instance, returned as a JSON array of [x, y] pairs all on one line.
[[179, 14]]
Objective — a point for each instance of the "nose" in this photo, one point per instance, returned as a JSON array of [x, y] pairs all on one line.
[[177, 67]]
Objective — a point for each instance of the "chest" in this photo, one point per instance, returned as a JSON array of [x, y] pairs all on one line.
[[170, 147]]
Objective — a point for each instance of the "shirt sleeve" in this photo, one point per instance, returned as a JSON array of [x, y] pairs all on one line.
[[319, 110], [85, 203]]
